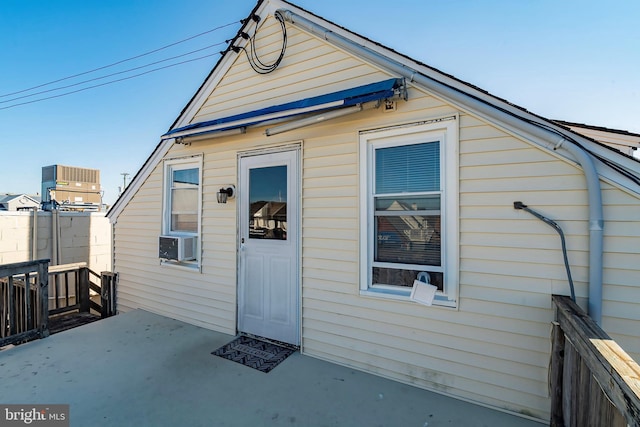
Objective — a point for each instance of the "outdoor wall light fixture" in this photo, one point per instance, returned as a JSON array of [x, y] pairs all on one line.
[[226, 193]]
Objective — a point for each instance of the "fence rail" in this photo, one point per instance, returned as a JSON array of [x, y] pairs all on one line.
[[593, 381], [24, 296], [54, 292], [68, 288]]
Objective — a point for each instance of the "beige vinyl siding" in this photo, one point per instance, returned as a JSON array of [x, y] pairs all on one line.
[[621, 277], [310, 68], [494, 348], [510, 265], [206, 299], [497, 340]]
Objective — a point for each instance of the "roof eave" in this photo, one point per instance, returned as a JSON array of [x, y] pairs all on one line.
[[619, 159], [185, 115], [610, 159]]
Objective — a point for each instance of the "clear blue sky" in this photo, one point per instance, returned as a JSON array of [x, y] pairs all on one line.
[[570, 60]]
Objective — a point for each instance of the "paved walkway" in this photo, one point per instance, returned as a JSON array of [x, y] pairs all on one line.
[[141, 369]]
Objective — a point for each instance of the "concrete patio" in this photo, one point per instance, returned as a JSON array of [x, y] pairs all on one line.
[[141, 369]]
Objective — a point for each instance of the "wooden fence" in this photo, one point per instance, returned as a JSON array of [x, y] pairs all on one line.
[[594, 383], [55, 291], [71, 288], [24, 301], [107, 292], [68, 289]]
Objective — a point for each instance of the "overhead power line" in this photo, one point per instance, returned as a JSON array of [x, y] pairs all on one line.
[[114, 74], [119, 62], [107, 83]]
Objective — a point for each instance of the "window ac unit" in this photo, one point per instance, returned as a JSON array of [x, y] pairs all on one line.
[[178, 248]]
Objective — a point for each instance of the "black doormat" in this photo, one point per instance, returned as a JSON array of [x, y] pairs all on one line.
[[256, 354]]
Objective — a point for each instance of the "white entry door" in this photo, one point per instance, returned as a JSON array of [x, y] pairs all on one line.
[[268, 277]]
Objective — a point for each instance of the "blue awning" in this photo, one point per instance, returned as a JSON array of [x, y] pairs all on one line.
[[331, 101]]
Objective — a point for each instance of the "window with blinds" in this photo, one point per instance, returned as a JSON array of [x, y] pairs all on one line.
[[406, 199], [405, 203]]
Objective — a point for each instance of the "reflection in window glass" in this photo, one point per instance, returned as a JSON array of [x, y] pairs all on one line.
[[408, 239], [184, 200], [268, 203], [404, 277], [407, 212]]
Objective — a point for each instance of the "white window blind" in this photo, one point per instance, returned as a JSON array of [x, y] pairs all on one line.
[[410, 210], [408, 168]]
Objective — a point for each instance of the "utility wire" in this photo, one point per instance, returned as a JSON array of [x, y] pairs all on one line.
[[108, 83], [110, 75], [253, 58], [121, 61]]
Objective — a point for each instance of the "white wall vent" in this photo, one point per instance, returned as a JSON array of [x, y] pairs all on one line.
[[178, 248]]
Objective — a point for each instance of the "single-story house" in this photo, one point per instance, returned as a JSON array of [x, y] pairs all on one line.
[[18, 202], [317, 175]]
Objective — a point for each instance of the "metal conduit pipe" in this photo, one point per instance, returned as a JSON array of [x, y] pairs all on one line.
[[517, 125]]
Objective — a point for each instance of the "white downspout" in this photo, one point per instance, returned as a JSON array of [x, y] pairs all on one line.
[[34, 236], [54, 237], [596, 228], [484, 110]]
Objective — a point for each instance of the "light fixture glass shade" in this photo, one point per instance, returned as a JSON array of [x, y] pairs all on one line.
[[225, 193]]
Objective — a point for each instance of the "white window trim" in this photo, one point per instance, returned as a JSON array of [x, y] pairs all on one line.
[[446, 131], [169, 164]]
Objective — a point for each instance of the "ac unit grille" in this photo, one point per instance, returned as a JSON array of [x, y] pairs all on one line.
[[73, 174], [177, 248], [70, 174]]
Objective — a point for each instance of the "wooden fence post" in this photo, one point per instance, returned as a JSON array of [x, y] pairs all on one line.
[[12, 307], [108, 293], [43, 291], [5, 307], [601, 382], [114, 294], [557, 364], [29, 322], [83, 289]]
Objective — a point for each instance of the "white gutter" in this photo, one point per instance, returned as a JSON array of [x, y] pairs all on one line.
[[55, 235], [509, 120]]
